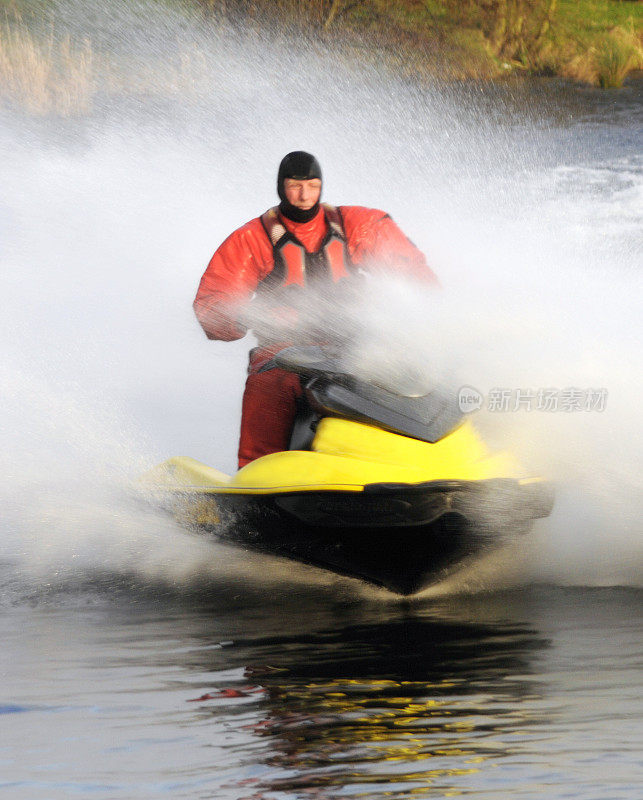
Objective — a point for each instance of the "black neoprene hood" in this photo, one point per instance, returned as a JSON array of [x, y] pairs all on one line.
[[300, 166]]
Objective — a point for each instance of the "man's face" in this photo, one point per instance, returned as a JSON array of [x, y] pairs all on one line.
[[302, 194]]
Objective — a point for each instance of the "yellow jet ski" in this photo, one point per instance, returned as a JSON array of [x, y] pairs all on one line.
[[391, 486]]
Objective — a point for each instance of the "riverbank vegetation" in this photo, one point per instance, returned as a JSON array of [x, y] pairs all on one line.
[[45, 69], [593, 41]]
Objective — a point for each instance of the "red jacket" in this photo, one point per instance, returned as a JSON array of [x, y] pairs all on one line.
[[246, 257]]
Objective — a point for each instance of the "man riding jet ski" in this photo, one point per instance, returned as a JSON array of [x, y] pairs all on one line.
[[296, 246], [369, 475]]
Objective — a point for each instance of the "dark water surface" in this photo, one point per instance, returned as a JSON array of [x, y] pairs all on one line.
[[221, 692]]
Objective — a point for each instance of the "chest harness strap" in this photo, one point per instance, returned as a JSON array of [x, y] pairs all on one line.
[[294, 265]]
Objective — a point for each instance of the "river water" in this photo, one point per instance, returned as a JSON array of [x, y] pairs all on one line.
[[139, 660], [235, 691]]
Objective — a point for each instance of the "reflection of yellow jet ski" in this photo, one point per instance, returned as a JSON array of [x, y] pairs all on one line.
[[391, 488]]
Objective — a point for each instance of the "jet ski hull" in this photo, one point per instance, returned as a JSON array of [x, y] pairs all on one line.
[[404, 537], [366, 502]]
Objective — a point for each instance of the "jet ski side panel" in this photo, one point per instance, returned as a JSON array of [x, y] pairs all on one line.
[[347, 456]]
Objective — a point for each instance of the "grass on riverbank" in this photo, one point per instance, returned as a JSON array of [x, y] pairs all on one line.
[[608, 59], [597, 41], [592, 41]]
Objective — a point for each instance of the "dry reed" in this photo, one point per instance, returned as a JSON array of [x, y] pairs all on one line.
[[50, 74], [43, 74]]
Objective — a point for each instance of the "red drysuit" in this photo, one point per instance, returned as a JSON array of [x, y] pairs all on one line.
[[273, 250]]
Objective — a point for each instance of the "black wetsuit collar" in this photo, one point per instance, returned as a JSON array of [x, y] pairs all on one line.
[[298, 214]]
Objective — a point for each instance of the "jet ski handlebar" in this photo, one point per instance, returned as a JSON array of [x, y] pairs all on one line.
[[332, 389], [307, 361]]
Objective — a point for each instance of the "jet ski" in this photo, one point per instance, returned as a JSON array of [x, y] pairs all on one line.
[[384, 482]]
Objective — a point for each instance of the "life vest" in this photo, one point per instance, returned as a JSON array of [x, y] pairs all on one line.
[[294, 265]]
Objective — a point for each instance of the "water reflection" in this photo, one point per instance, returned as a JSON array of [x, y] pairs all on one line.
[[391, 708]]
